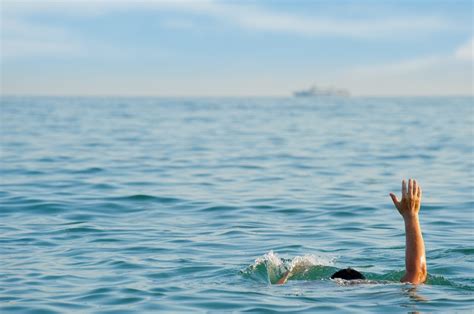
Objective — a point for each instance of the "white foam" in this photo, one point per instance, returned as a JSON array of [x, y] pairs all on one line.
[[269, 258], [273, 262], [275, 266], [309, 260]]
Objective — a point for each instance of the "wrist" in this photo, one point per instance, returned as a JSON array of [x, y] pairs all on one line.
[[410, 215], [411, 218]]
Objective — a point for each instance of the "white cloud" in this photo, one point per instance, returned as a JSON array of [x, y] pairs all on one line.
[[428, 75], [92, 8], [256, 18], [466, 51], [246, 16], [463, 53], [397, 67], [20, 38]]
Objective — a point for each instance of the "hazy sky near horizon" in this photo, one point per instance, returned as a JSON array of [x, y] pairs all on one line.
[[236, 48]]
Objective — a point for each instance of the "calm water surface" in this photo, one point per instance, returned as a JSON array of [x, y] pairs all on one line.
[[125, 205]]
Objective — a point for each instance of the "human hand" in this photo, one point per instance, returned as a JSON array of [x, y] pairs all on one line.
[[409, 206]]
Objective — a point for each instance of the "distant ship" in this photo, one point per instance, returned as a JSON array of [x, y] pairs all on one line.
[[321, 92]]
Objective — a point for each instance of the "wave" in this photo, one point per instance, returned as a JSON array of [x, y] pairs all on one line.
[[147, 198], [34, 206], [90, 170]]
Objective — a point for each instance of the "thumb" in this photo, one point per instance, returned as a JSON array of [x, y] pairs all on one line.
[[394, 199]]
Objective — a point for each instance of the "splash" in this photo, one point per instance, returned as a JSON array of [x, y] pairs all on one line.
[[270, 268]]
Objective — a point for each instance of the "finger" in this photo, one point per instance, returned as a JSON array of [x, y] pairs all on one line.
[[419, 192], [404, 189], [415, 188], [394, 199], [410, 187]]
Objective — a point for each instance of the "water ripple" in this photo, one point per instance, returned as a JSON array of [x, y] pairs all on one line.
[[120, 205]]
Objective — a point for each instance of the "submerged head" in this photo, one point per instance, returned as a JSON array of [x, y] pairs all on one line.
[[347, 274]]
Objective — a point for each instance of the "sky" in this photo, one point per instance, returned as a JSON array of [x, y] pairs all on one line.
[[236, 48]]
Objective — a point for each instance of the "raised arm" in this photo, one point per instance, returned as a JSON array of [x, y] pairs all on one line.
[[409, 206]]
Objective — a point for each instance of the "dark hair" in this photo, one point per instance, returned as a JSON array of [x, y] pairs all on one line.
[[348, 274]]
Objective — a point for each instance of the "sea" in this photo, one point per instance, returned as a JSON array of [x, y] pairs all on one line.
[[198, 205]]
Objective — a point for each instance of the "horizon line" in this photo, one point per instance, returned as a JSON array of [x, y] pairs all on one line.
[[228, 96]]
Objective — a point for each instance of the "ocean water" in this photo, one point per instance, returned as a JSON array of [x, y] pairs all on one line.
[[135, 205]]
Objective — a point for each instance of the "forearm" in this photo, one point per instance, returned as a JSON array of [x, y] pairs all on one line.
[[283, 278], [415, 259]]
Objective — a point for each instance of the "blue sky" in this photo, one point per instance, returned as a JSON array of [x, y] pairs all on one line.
[[236, 48]]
